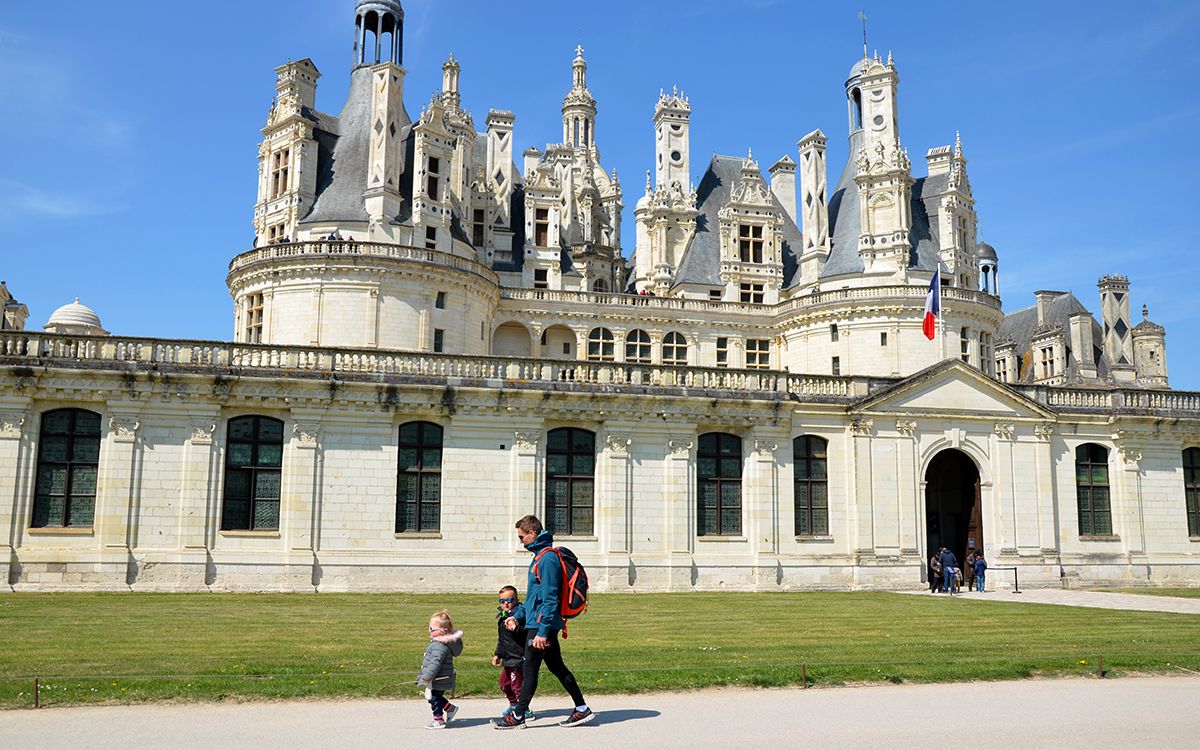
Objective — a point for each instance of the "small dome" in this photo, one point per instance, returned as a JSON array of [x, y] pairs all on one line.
[[75, 318], [858, 68], [379, 6], [986, 251]]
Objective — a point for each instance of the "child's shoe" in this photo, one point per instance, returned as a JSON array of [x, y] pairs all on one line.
[[508, 721], [450, 710], [528, 713], [436, 724]]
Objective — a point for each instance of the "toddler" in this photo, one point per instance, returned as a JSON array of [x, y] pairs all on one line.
[[437, 668], [510, 649]]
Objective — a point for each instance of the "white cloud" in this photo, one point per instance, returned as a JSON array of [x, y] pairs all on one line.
[[21, 201]]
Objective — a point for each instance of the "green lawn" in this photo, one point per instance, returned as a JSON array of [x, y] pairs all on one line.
[[1185, 593], [136, 647]]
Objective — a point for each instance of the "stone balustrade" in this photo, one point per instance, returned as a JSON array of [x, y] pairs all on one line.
[[28, 348], [350, 249]]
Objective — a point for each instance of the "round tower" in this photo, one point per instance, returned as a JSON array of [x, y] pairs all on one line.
[[378, 32], [1150, 352], [579, 107]]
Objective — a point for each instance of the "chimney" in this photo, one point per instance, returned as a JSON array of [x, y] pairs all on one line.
[[1082, 344], [1044, 298], [783, 185], [938, 160], [1114, 310], [532, 157]]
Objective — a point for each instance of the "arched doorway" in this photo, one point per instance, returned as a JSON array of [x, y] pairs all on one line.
[[952, 508]]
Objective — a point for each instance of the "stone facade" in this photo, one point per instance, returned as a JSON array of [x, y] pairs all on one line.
[[431, 341]]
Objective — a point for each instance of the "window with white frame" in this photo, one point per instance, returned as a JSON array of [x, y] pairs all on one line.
[[752, 293], [637, 347], [750, 243], [758, 354], [674, 351]]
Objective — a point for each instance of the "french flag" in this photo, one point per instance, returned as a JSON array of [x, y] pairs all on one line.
[[933, 305]]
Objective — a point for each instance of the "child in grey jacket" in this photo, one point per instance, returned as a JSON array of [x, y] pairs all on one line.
[[437, 668]]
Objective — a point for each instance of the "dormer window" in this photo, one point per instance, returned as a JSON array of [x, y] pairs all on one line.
[[750, 243], [477, 227], [432, 174], [280, 162], [541, 227], [1046, 355]]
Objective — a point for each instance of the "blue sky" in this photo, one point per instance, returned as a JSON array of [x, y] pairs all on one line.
[[130, 134]]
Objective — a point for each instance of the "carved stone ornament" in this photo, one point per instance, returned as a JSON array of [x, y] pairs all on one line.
[[306, 434], [618, 444], [10, 425], [766, 448], [906, 427], [202, 432], [679, 448], [862, 426], [1131, 456], [1044, 430], [1004, 430], [123, 429], [526, 442]]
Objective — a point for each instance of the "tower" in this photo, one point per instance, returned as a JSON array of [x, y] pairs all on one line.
[[287, 155], [672, 121], [881, 168], [378, 32], [379, 27], [1150, 352], [814, 205], [579, 108]]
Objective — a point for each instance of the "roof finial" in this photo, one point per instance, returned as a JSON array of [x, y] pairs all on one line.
[[862, 16], [1145, 313], [957, 143], [648, 181], [579, 52]]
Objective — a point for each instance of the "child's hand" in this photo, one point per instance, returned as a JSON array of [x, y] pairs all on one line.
[[511, 623], [495, 661], [423, 683]]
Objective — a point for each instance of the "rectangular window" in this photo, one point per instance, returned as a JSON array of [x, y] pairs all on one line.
[[431, 178], [883, 339], [750, 243], [835, 365], [419, 479], [1091, 486], [254, 319], [541, 227], [715, 295], [1191, 489], [280, 163], [440, 301], [811, 485], [986, 356], [1047, 361], [541, 278], [430, 238], [439, 339], [719, 485], [752, 293], [758, 354], [253, 472], [722, 351], [570, 481], [68, 459], [477, 228], [964, 344], [833, 332], [1002, 370], [275, 234]]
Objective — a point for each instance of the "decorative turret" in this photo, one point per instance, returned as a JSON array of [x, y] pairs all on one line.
[[672, 122], [450, 70], [579, 107], [1150, 352], [378, 32], [814, 205], [12, 313], [1114, 310], [287, 156]]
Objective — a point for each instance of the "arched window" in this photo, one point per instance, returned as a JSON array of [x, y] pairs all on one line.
[[811, 484], [570, 481], [419, 479], [600, 285], [1191, 489], [67, 462], [637, 347], [719, 485], [600, 345], [1091, 487], [674, 349], [253, 457]]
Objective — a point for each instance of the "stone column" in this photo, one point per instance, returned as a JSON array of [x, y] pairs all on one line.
[[13, 505], [118, 496], [527, 492], [299, 512], [679, 498], [1046, 494], [199, 506], [862, 537], [909, 519], [760, 498]]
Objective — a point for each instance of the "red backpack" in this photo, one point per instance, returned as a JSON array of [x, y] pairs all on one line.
[[572, 598]]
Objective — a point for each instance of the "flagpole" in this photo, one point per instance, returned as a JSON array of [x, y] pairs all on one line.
[[941, 316]]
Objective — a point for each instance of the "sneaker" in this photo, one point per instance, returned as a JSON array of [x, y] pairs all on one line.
[[528, 714], [508, 721], [577, 717], [450, 711], [436, 724]]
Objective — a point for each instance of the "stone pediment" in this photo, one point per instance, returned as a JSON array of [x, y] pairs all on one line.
[[953, 388]]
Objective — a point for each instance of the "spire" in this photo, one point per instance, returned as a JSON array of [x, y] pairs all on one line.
[[450, 70], [579, 69]]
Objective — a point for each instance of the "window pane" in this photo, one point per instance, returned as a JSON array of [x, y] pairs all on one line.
[[239, 454], [236, 514], [431, 488], [707, 467], [406, 517], [556, 492], [266, 485], [408, 459], [581, 520], [731, 495], [556, 463], [47, 510], [56, 422], [82, 510], [708, 521], [558, 440], [237, 484], [87, 449], [557, 519], [270, 430], [406, 488], [52, 480], [270, 455], [432, 459], [731, 445], [87, 423], [818, 469], [241, 429], [583, 465], [83, 480], [583, 441], [266, 515], [802, 526], [818, 494], [1082, 473], [820, 521], [54, 448], [1099, 475], [409, 433], [708, 495], [731, 468], [431, 435], [801, 469], [731, 521], [431, 517], [708, 443], [581, 493]]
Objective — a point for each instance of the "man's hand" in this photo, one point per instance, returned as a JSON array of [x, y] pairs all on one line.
[[511, 623], [495, 661], [539, 642]]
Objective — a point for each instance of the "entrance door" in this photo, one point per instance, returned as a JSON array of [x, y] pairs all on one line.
[[952, 513]]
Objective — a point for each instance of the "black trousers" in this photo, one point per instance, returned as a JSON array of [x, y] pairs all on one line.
[[552, 656]]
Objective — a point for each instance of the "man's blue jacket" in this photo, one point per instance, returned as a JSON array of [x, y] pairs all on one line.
[[540, 610]]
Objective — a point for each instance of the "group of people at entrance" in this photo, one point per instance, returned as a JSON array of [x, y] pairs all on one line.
[[945, 575], [527, 637]]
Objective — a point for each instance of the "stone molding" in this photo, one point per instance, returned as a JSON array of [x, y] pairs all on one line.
[[1005, 430], [1044, 430], [10, 425], [306, 433], [202, 433], [123, 429], [766, 448], [862, 426], [906, 427], [679, 448], [618, 445], [526, 443]]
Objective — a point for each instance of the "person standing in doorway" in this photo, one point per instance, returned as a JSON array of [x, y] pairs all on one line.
[[980, 572], [969, 569], [541, 617], [935, 573], [949, 571]]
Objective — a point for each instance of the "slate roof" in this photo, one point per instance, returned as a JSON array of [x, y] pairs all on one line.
[[701, 262], [1022, 325]]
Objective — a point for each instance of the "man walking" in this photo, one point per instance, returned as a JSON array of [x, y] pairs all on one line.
[[541, 617]]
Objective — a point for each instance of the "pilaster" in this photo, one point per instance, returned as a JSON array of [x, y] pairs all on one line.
[[14, 449]]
